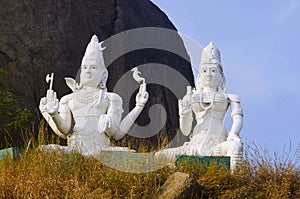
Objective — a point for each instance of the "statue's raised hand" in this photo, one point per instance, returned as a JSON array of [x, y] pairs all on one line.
[[52, 103], [142, 96], [184, 104]]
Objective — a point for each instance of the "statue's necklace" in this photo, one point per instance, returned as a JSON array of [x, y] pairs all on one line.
[[211, 103], [87, 97]]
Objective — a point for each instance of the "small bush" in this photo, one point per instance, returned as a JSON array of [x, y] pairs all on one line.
[[13, 119]]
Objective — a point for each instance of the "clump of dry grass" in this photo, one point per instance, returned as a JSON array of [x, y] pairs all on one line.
[[39, 174], [261, 175]]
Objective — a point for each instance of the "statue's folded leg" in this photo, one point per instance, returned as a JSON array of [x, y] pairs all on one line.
[[56, 147], [169, 155], [234, 149]]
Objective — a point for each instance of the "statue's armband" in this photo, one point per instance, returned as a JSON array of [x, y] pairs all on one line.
[[235, 105], [114, 111], [65, 99], [63, 108], [115, 103]]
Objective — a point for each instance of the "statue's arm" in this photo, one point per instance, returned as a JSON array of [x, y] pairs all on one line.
[[185, 122], [126, 123], [237, 117], [185, 113], [63, 117], [55, 114]]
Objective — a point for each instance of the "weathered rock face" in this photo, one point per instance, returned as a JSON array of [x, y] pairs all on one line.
[[40, 37], [180, 185]]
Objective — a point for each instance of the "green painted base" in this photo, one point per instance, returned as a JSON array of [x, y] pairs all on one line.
[[10, 153], [201, 161]]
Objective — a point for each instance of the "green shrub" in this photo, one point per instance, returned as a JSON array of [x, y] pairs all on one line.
[[13, 119]]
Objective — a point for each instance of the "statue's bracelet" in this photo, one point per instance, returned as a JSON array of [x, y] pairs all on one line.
[[54, 114], [184, 115], [140, 104]]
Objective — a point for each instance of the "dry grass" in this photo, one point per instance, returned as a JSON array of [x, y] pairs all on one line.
[[40, 175], [37, 174]]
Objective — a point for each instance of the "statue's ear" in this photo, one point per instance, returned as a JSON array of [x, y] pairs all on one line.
[[104, 76], [71, 83]]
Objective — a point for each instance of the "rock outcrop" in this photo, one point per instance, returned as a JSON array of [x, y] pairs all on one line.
[[180, 185], [40, 37]]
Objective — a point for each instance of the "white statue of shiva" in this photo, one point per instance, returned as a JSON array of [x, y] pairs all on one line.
[[209, 103], [95, 112]]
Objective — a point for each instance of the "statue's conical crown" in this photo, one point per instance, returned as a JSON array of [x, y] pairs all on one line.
[[210, 55], [94, 50]]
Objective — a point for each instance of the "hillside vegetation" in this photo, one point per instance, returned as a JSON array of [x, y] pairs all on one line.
[[37, 174]]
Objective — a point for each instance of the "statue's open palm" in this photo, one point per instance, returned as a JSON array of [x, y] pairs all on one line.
[[184, 104], [52, 103], [142, 96]]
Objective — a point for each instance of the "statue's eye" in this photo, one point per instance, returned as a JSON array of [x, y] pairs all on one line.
[[213, 70], [204, 70], [93, 67], [84, 67]]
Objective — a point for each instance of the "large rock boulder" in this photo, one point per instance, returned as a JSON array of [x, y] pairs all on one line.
[[179, 186], [40, 37]]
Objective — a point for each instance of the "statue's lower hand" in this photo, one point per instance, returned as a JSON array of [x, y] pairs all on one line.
[[142, 96], [233, 137], [104, 123]]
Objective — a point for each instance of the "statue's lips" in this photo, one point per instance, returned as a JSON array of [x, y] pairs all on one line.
[[208, 78], [88, 76]]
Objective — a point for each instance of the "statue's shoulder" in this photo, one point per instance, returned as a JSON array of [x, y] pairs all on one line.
[[233, 98], [113, 97], [65, 99]]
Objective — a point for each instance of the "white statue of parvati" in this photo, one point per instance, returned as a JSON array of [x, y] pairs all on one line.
[[95, 112], [209, 103]]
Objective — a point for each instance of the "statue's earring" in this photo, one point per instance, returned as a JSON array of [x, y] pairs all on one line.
[[78, 86], [103, 78], [101, 85]]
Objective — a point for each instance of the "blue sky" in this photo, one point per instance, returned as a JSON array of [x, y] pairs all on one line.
[[259, 42]]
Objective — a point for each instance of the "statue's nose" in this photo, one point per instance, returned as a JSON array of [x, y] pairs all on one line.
[[208, 74], [88, 69]]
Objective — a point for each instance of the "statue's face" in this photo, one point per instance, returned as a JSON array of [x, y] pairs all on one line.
[[91, 72], [210, 75]]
